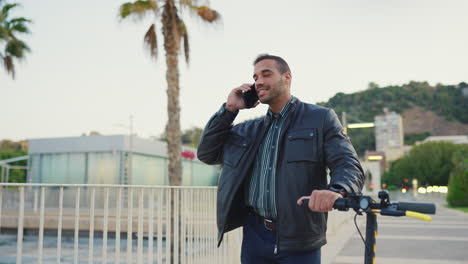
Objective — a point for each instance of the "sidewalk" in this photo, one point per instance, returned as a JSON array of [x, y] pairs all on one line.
[[408, 240]]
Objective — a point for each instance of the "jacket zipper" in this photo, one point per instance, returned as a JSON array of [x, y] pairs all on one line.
[[282, 134], [277, 212], [277, 215]]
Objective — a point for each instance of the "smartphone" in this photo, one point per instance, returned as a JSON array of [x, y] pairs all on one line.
[[250, 97]]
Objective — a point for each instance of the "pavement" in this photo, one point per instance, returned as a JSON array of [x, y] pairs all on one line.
[[407, 240]]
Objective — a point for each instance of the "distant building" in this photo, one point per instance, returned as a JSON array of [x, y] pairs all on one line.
[[465, 92], [389, 135], [373, 173], [462, 139], [374, 164], [111, 160]]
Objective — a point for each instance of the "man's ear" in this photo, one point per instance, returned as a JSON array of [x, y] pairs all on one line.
[[287, 76]]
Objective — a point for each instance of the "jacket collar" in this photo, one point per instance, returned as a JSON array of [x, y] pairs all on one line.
[[283, 113]]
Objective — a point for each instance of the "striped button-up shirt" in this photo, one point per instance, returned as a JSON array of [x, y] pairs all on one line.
[[261, 189]]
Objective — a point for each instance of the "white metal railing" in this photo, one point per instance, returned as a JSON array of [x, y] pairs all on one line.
[[162, 224]]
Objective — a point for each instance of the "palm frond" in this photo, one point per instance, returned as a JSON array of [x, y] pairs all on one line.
[[9, 65], [16, 48], [19, 25], [207, 14], [138, 8], [151, 41], [204, 12], [192, 3], [5, 10], [20, 20], [125, 10], [3, 33], [185, 3], [185, 39]]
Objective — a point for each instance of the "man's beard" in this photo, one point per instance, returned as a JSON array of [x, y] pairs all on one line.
[[274, 92]]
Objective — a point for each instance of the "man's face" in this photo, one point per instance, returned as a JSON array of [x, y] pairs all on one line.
[[269, 82]]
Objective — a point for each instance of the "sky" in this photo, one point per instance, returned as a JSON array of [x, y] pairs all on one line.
[[89, 71]]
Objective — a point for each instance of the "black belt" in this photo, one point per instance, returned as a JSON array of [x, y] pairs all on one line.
[[267, 223]]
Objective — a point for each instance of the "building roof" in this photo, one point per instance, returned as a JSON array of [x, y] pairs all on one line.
[[461, 139], [98, 143]]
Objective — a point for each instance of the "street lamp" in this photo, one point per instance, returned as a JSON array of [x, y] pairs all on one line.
[[361, 125], [130, 152], [355, 125]]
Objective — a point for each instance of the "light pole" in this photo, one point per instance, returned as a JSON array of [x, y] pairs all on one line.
[[354, 125], [130, 153], [129, 172]]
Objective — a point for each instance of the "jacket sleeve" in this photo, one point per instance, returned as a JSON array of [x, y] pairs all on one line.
[[340, 156], [215, 134]]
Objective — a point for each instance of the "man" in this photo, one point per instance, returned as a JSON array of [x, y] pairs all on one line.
[[272, 163]]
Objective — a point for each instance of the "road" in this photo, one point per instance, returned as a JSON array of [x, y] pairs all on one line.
[[408, 240]]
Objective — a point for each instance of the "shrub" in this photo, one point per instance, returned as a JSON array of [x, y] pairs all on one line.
[[458, 185], [458, 189]]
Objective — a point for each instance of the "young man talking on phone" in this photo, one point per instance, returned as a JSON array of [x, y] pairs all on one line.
[[270, 164]]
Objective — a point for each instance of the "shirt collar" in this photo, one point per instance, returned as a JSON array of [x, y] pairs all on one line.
[[283, 113]]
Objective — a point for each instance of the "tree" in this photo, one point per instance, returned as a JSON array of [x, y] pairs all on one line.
[[458, 184], [430, 163], [363, 139], [174, 32], [372, 85], [10, 149], [191, 136], [11, 47]]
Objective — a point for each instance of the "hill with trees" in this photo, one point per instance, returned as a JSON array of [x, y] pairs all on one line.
[[426, 110]]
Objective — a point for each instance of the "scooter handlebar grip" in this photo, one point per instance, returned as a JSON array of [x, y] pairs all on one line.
[[341, 204], [424, 208]]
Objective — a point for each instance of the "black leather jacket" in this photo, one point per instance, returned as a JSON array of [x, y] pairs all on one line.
[[312, 140]]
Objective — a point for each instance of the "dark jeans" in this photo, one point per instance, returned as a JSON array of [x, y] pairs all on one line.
[[258, 247]]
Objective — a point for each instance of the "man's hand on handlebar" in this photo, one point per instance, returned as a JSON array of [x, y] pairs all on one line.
[[321, 200]]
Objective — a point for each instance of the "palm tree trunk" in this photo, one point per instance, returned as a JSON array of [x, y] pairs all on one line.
[[173, 132]]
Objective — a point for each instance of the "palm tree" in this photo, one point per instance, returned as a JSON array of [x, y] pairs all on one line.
[[14, 48], [174, 32]]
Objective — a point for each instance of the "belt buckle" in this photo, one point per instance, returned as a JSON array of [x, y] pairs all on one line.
[[266, 222]]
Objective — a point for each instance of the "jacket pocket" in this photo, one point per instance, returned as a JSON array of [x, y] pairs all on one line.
[[234, 149], [302, 145]]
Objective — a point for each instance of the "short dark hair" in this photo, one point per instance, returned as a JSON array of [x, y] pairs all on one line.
[[281, 64]]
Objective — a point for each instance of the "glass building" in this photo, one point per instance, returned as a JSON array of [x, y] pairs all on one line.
[[116, 159]]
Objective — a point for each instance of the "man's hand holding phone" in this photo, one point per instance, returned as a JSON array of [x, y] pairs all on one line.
[[242, 97]]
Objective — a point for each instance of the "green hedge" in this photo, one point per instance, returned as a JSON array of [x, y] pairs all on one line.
[[458, 189], [458, 184]]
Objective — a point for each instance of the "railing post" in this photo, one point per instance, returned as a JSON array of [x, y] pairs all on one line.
[[168, 226], [150, 225], [19, 247], [159, 203], [183, 231], [1, 205], [77, 225], [105, 225], [140, 227], [59, 228], [191, 228], [35, 200], [129, 224], [117, 224], [91, 226], [197, 224], [176, 225], [41, 226]]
